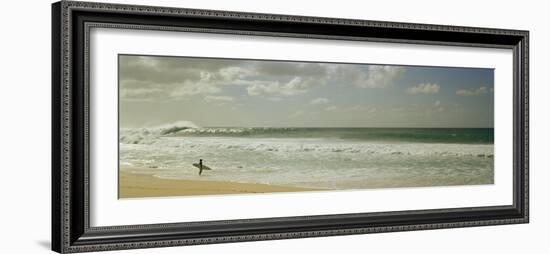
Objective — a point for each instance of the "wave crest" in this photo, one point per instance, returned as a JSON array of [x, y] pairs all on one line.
[[151, 134]]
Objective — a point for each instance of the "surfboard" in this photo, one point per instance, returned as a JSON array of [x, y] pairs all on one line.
[[203, 166]]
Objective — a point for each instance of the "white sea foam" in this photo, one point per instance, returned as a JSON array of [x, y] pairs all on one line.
[[152, 134], [308, 162]]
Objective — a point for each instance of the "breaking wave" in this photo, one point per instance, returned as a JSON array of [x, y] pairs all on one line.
[[320, 147], [392, 135], [152, 134]]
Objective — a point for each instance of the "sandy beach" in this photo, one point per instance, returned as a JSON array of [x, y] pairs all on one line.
[[141, 185]]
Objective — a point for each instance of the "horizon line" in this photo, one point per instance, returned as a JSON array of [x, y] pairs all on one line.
[[332, 127]]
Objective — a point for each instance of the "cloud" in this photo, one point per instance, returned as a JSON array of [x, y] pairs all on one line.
[[295, 86], [298, 114], [181, 77], [174, 78], [356, 109], [472, 92], [438, 107], [306, 76], [291, 69], [141, 94], [331, 108], [285, 78], [164, 78], [134, 90], [275, 98], [374, 76], [185, 89], [319, 101], [424, 88], [218, 99], [383, 75]]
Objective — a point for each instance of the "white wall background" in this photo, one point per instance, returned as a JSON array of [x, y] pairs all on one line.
[[25, 126]]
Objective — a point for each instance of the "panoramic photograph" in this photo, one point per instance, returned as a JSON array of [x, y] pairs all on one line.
[[216, 126]]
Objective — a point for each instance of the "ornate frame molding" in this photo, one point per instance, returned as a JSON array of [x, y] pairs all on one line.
[[71, 22]]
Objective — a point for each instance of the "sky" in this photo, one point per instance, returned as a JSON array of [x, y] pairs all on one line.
[[214, 92]]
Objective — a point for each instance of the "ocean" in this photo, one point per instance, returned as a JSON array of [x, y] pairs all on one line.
[[321, 158]]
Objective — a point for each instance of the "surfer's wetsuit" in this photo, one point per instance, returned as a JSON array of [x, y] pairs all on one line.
[[200, 166]]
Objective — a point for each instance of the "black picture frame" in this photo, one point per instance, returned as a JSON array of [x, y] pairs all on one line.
[[71, 22]]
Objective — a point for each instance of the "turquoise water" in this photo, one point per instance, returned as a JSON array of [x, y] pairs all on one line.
[[330, 158]]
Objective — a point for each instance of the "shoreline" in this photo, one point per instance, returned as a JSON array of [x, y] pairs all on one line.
[[135, 185]]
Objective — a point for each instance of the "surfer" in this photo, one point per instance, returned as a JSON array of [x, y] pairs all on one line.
[[201, 166]]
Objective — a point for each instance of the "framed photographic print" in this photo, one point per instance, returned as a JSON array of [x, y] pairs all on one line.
[[181, 126]]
